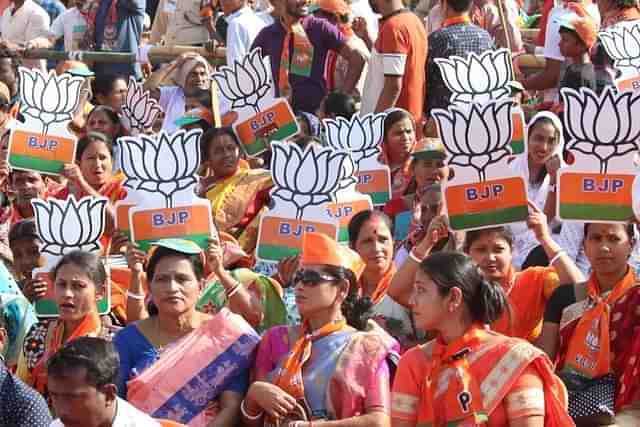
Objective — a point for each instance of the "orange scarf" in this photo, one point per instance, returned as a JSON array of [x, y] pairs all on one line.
[[383, 285], [463, 397], [299, 62], [90, 326], [464, 19], [588, 352], [289, 378]]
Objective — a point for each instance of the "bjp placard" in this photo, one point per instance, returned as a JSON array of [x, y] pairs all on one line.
[[43, 142]]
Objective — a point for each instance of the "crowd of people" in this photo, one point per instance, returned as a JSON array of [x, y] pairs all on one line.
[[406, 324]]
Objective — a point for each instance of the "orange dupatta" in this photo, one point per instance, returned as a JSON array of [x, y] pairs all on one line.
[[289, 378], [90, 326], [383, 285], [463, 397], [588, 352]]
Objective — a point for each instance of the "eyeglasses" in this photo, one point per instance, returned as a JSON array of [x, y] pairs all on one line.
[[313, 278]]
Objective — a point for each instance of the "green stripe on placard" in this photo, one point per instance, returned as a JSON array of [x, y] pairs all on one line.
[[379, 198], [48, 307], [594, 211], [517, 146], [488, 218], [284, 131], [343, 234], [261, 144], [20, 161], [275, 253], [201, 240]]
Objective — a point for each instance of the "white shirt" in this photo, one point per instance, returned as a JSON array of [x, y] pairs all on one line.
[[362, 8], [266, 17], [126, 416], [244, 26], [172, 102], [27, 23], [71, 25], [380, 64]]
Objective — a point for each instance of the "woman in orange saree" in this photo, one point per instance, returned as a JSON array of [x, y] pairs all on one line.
[[527, 291], [470, 375], [332, 367], [79, 278], [238, 194], [592, 328]]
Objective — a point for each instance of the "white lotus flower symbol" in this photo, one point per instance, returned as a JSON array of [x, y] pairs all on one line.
[[361, 136], [68, 225], [476, 137], [163, 163], [604, 126], [245, 83], [48, 98], [307, 178], [140, 110], [623, 46], [478, 78]]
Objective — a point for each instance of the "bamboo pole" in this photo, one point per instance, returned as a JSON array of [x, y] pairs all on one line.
[[503, 22], [156, 55]]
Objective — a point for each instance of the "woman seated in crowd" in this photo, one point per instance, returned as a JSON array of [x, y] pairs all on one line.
[[335, 365], [428, 167], [399, 141], [110, 90], [591, 329], [470, 375], [370, 236], [25, 246], [527, 291], [539, 167], [79, 281], [105, 120], [237, 193], [176, 338]]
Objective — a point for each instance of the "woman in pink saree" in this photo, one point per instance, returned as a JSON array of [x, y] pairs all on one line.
[[212, 354], [335, 366]]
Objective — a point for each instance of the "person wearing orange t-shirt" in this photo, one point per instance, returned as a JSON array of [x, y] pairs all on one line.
[[395, 76]]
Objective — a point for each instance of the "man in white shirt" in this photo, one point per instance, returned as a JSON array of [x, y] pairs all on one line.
[[243, 26], [82, 378], [71, 26], [21, 22]]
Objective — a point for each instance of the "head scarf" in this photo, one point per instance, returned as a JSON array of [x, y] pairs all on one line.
[[180, 76], [521, 162]]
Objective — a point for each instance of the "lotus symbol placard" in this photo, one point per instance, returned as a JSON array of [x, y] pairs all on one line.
[[476, 137], [477, 78], [140, 110], [245, 82], [623, 46], [164, 163], [361, 136], [604, 126], [306, 178], [48, 98], [67, 225]]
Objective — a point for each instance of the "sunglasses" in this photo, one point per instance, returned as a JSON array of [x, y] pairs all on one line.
[[313, 278]]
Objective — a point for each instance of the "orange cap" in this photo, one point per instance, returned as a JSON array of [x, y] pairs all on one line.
[[581, 22], [317, 248]]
